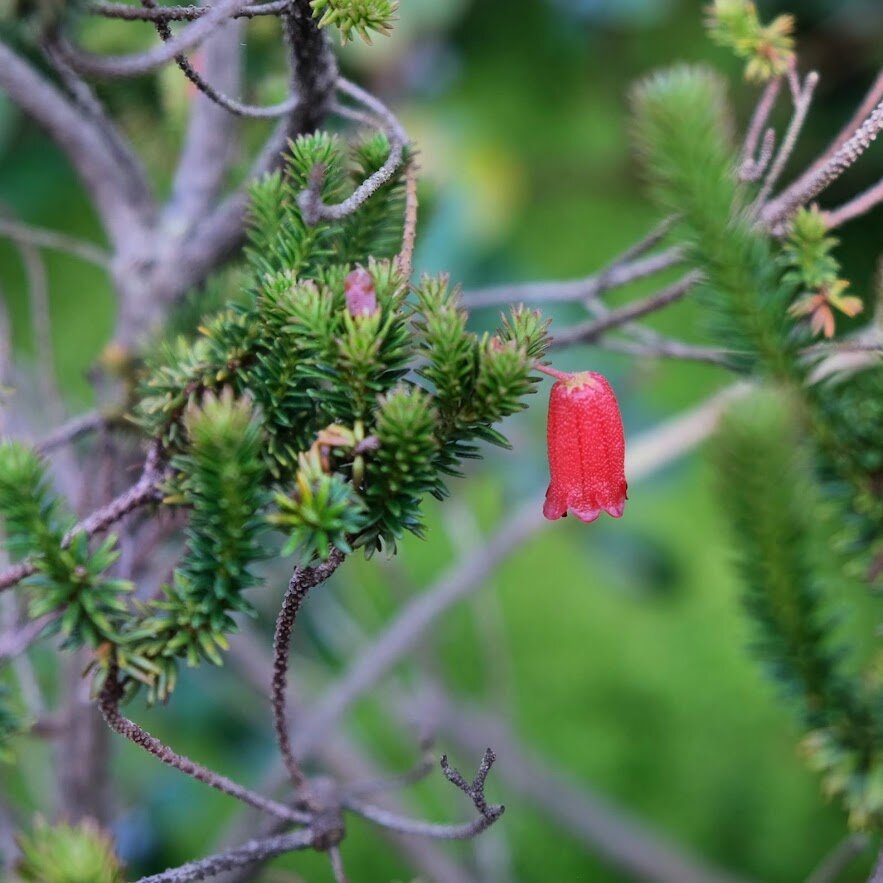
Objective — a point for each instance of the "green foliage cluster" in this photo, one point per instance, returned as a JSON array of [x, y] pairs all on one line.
[[356, 16], [682, 127], [768, 48], [780, 486], [815, 273], [793, 584], [64, 853], [71, 583], [288, 411]]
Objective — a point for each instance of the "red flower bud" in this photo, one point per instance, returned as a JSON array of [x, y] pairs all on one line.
[[586, 448], [361, 298]]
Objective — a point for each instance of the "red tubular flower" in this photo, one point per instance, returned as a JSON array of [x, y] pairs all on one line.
[[361, 298], [586, 448]]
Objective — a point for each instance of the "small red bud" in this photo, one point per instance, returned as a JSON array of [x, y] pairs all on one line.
[[361, 298], [586, 448]]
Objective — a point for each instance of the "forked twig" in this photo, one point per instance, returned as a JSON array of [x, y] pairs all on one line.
[[474, 790]]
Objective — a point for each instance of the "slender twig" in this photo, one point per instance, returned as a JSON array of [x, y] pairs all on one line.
[[141, 493], [178, 13], [615, 836], [228, 103], [839, 858], [337, 867], [18, 639], [802, 102], [588, 332], [877, 873], [400, 780], [667, 348], [112, 66], [108, 703], [41, 325], [873, 97], [248, 854], [409, 228], [302, 580], [41, 238], [487, 813], [806, 189], [754, 165], [310, 200], [761, 164], [578, 289], [70, 431], [855, 207]]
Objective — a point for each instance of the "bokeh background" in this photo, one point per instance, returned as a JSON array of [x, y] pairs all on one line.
[[616, 652]]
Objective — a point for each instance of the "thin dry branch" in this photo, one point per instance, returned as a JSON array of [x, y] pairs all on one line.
[[802, 101], [833, 865], [409, 228], [753, 164], [179, 13], [111, 66], [37, 236], [855, 207], [609, 832], [108, 703], [487, 813], [871, 100], [310, 201], [249, 853], [302, 580], [588, 332], [808, 187], [578, 289], [141, 493]]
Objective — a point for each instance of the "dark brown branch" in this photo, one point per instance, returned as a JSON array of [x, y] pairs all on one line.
[[207, 85], [108, 703], [409, 228], [314, 75], [302, 580]]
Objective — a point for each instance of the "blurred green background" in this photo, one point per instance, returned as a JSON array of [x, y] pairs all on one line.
[[617, 651]]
